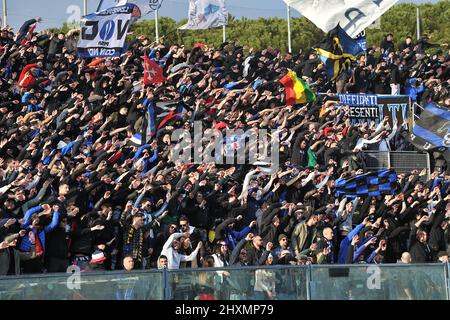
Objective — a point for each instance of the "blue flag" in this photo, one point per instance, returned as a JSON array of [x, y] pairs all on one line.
[[337, 52], [432, 131], [377, 183]]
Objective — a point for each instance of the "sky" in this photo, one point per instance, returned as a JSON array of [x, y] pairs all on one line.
[[56, 12]]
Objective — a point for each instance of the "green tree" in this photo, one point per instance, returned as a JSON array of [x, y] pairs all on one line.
[[272, 32], [400, 20]]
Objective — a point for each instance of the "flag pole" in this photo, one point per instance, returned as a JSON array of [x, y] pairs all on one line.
[[224, 30], [5, 15], [289, 28], [85, 7], [365, 51], [156, 25], [418, 22]]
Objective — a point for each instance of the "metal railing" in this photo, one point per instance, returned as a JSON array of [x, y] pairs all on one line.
[[401, 161], [136, 285], [417, 110], [311, 282]]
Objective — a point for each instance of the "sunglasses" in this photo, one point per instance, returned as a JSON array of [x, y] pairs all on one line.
[[183, 225]]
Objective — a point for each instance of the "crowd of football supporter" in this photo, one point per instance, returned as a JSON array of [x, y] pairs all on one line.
[[79, 187]]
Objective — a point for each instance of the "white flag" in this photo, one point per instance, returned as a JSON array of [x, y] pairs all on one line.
[[106, 4], [103, 33], [352, 15], [146, 6], [205, 14]]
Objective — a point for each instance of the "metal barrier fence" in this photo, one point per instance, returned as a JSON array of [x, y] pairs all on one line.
[[416, 111], [139, 285], [401, 161], [311, 282]]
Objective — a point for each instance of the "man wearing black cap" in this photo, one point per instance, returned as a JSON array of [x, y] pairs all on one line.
[[283, 244]]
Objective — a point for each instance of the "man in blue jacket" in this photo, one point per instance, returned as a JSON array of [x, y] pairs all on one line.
[[33, 221], [413, 88], [345, 243], [143, 157], [32, 102], [226, 231]]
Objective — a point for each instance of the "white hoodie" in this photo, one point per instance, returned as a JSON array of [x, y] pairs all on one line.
[[174, 257]]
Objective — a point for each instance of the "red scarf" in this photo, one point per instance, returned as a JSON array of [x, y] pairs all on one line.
[[39, 249]]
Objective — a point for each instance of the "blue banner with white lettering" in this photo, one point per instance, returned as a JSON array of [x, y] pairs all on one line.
[[371, 107], [103, 33], [368, 108]]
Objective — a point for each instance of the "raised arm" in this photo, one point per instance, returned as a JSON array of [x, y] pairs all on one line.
[[28, 214], [236, 251], [193, 255], [221, 227], [170, 240], [393, 132], [246, 183], [54, 222]]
